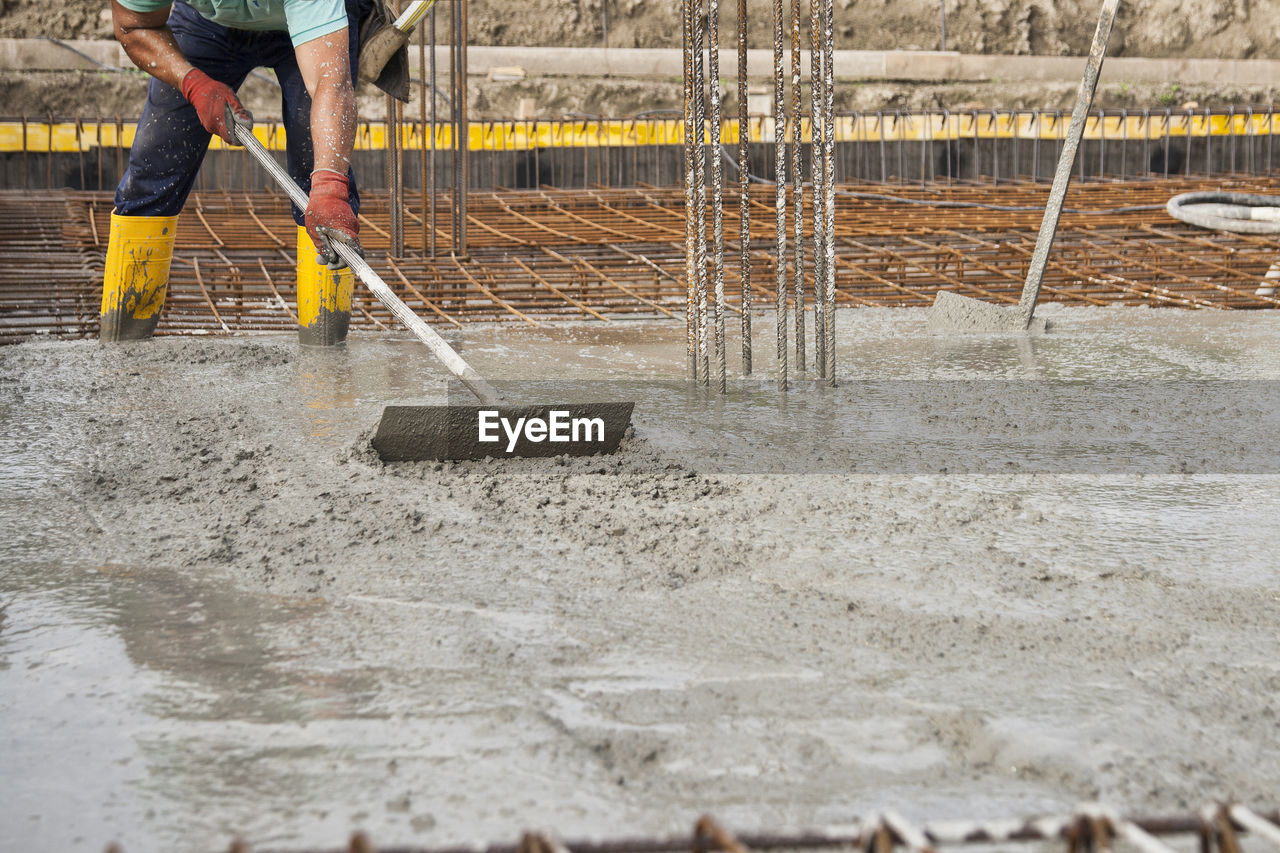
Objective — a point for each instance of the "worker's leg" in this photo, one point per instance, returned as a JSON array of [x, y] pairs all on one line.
[[324, 295], [167, 151]]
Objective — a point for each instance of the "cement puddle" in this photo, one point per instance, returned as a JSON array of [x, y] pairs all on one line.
[[217, 615]]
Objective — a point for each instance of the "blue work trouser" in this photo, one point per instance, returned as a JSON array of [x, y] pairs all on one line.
[[170, 143]]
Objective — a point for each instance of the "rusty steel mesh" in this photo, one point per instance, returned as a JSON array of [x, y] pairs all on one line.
[[604, 254]]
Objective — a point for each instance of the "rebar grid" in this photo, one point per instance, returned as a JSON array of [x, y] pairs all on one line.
[[604, 255], [1218, 828]]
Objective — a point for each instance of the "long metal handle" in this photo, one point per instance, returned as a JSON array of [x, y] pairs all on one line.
[[410, 17], [485, 392], [1062, 178]]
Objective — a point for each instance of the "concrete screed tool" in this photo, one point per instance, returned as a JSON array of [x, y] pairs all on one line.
[[493, 428], [955, 313]]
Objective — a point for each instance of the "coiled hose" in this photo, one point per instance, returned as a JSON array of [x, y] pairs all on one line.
[[1237, 213]]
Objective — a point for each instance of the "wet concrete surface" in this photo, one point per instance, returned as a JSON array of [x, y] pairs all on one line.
[[220, 614]]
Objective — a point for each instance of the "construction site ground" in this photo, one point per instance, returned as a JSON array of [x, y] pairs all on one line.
[[957, 598]]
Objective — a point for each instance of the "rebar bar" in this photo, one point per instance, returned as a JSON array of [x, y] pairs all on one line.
[[744, 189], [829, 173], [797, 186], [690, 196], [818, 181], [434, 227], [464, 130], [395, 176], [700, 187], [422, 135], [780, 190], [717, 186]]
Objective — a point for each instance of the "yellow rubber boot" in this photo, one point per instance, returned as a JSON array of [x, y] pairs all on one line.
[[324, 298], [136, 279]]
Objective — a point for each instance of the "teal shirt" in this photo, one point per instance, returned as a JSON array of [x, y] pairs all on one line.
[[304, 20]]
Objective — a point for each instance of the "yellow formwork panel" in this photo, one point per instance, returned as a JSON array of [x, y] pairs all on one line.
[[34, 136]]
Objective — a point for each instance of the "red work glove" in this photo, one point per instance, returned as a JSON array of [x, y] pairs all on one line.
[[329, 216], [211, 100]]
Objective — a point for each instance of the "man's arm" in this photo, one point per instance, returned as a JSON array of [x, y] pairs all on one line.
[[147, 39], [326, 72]]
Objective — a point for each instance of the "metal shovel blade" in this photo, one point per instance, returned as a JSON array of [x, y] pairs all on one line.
[[955, 313], [454, 432]]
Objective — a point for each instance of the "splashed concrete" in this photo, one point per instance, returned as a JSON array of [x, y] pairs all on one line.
[[219, 613]]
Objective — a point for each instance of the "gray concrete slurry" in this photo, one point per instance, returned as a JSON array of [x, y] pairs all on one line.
[[219, 613]]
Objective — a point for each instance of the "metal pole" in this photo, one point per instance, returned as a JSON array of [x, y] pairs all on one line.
[[829, 173], [797, 184], [453, 125], [464, 130], [942, 21], [432, 162], [690, 251], [700, 185], [780, 190], [717, 184], [744, 188], [395, 169], [1062, 179], [817, 172], [422, 135]]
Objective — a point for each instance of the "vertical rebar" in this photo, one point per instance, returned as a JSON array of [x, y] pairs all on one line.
[[717, 183], [422, 135], [98, 150], [780, 189], [1035, 147], [454, 148], [1168, 129], [119, 149], [1017, 143], [829, 203], [1186, 161], [690, 249], [395, 177], [1271, 135], [797, 184], [995, 147], [464, 130], [1102, 142], [1230, 137], [700, 184], [395, 167], [1124, 144], [431, 164], [744, 188], [1208, 144], [884, 154], [818, 180]]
